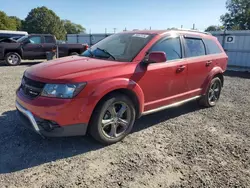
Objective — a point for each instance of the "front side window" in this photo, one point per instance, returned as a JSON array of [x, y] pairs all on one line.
[[119, 47], [171, 46], [35, 40], [194, 47], [212, 47]]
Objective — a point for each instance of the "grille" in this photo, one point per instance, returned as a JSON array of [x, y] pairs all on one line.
[[31, 88]]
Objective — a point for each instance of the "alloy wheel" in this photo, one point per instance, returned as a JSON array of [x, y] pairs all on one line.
[[116, 120], [214, 92], [13, 59]]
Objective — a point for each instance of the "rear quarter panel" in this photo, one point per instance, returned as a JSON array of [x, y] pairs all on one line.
[[219, 68]]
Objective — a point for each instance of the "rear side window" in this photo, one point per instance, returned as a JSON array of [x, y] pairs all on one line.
[[49, 39], [171, 46], [194, 47], [212, 47]]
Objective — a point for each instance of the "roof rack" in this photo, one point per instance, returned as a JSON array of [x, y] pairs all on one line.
[[192, 30]]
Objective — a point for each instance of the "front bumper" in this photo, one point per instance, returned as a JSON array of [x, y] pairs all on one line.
[[45, 128]]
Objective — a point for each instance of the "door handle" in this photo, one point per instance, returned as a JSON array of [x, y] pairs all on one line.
[[208, 63], [180, 68]]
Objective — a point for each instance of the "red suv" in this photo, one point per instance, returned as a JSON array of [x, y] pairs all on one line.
[[127, 75]]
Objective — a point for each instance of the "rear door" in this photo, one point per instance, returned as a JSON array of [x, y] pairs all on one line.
[[199, 64], [33, 49], [49, 43], [165, 83]]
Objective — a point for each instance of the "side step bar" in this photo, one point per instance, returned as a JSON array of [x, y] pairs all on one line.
[[169, 106]]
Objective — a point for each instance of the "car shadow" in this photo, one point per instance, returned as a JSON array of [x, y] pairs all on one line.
[[164, 115], [21, 148], [237, 74], [30, 63]]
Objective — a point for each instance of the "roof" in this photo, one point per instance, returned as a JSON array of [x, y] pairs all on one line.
[[160, 32]]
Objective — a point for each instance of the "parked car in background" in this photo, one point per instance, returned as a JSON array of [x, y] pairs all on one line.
[[35, 46], [124, 76], [5, 34]]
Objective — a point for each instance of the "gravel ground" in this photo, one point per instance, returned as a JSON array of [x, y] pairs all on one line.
[[179, 147]]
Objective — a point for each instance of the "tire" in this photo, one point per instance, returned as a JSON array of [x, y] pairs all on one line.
[[12, 59], [108, 128], [212, 95], [73, 53]]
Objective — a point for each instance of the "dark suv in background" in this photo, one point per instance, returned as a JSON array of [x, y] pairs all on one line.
[[35, 46]]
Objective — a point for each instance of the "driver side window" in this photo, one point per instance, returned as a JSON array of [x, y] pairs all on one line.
[[171, 46], [35, 40]]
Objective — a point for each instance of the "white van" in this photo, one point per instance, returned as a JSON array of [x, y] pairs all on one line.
[[12, 34]]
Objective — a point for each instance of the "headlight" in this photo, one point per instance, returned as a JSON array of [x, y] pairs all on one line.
[[65, 91]]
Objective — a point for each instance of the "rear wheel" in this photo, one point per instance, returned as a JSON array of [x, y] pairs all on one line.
[[213, 93], [12, 59], [112, 119]]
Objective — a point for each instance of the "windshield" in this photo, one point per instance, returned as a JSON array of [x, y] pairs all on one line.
[[22, 38], [119, 47]]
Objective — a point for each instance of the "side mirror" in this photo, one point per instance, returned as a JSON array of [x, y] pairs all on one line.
[[156, 57]]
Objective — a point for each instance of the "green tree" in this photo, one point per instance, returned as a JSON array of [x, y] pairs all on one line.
[[214, 28], [44, 20], [238, 15], [72, 28], [6, 23], [17, 21]]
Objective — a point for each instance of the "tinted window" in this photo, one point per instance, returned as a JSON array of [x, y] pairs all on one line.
[[172, 48], [35, 40], [212, 47], [194, 47], [49, 39]]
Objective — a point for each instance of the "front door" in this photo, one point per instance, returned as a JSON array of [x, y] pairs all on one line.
[[165, 83], [33, 49]]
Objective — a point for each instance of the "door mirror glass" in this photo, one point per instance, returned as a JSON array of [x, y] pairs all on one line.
[[156, 57]]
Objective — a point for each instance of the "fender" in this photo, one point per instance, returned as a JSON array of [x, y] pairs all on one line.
[[212, 73], [119, 83]]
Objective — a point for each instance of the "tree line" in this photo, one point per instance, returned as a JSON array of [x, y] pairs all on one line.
[[237, 17], [40, 20], [44, 20]]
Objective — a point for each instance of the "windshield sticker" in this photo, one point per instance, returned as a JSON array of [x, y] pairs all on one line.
[[140, 35]]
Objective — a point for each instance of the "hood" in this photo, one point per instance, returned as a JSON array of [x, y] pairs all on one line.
[[72, 68]]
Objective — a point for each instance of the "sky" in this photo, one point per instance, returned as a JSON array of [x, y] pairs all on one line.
[[96, 15]]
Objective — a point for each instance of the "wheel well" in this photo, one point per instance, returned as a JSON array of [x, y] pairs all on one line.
[[16, 51], [129, 94], [221, 77]]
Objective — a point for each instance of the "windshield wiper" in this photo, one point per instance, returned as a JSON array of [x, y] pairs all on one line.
[[105, 51]]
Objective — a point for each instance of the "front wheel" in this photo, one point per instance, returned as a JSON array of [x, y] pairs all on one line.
[[12, 59], [213, 93], [112, 119]]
